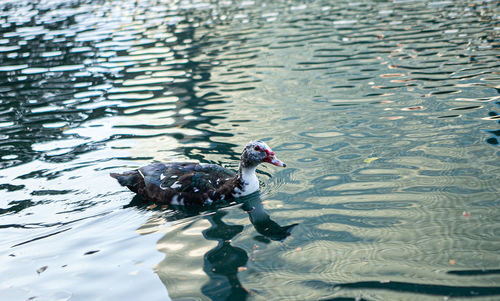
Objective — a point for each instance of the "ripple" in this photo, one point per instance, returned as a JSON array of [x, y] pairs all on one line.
[[63, 68], [88, 94], [326, 134], [12, 68], [34, 70], [307, 159], [292, 146], [148, 81], [332, 147], [55, 125], [131, 96]]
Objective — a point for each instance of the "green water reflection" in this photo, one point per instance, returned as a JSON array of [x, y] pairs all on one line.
[[190, 250]]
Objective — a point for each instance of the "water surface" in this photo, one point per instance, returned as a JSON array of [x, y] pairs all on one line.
[[385, 113]]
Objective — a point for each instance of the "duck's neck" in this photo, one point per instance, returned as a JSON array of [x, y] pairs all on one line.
[[248, 180]]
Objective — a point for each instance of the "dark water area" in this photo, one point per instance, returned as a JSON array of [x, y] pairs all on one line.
[[385, 112]]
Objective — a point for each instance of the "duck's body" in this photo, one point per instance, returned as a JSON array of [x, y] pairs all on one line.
[[198, 184]]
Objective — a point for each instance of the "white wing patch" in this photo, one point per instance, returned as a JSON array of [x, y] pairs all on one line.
[[176, 185], [208, 201], [237, 192], [162, 176], [176, 201]]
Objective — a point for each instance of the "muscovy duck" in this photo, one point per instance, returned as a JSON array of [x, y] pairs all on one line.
[[199, 184]]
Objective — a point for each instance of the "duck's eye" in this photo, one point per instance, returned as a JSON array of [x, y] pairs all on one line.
[[257, 148]]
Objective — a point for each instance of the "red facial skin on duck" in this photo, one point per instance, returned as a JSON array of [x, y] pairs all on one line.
[[271, 158]]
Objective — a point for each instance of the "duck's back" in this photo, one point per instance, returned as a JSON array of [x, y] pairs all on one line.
[[180, 183]]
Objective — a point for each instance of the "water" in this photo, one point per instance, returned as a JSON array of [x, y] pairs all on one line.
[[384, 112]]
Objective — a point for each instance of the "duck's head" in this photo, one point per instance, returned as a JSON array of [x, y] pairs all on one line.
[[256, 152]]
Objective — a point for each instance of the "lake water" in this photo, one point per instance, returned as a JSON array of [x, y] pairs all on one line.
[[383, 111]]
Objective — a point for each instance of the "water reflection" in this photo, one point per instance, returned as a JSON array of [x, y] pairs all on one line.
[[426, 289], [495, 134], [263, 222], [212, 241], [223, 262]]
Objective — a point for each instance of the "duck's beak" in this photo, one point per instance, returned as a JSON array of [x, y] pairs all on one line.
[[271, 158], [277, 162]]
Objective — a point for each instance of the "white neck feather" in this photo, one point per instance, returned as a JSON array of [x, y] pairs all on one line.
[[249, 179]]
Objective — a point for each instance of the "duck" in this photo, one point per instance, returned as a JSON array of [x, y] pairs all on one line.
[[199, 184]]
